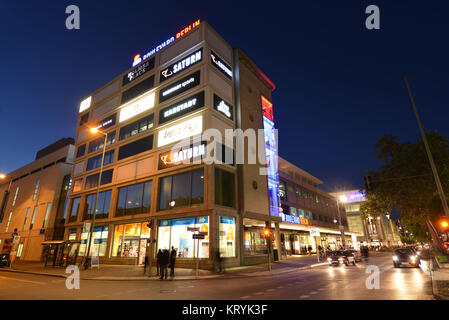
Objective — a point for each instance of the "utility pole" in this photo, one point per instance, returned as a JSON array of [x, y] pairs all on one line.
[[429, 154]]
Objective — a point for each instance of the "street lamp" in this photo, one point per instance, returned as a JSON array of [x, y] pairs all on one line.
[[342, 199], [3, 177], [86, 257]]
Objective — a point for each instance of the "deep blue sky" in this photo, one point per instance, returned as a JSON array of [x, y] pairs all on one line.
[[338, 85]]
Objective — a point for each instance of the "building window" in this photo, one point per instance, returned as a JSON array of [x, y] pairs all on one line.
[[255, 242], [227, 237], [283, 190], [130, 240], [293, 211], [9, 221], [15, 197], [74, 210], [181, 190], [134, 199], [72, 234], [33, 217], [92, 180], [290, 187], [136, 127], [47, 213], [36, 189], [99, 238], [224, 188], [97, 144], [176, 233], [26, 219], [84, 118], [95, 162], [352, 208], [103, 204], [136, 147], [81, 150], [285, 209]]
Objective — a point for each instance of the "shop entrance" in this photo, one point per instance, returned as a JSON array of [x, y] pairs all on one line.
[[142, 251]]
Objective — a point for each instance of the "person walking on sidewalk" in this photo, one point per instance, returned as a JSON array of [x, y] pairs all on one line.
[[158, 262], [310, 250], [164, 263], [172, 261]]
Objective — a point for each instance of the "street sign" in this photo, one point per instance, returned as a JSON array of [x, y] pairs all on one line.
[[203, 233], [193, 229], [314, 232], [342, 232], [198, 236], [342, 227], [95, 262]]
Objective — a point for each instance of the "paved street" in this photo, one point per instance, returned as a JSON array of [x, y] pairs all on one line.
[[322, 282]]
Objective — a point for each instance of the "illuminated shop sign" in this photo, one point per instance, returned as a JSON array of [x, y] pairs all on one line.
[[294, 219], [180, 86], [182, 107], [85, 104], [220, 64], [181, 65], [136, 106], [107, 122], [185, 155], [180, 131], [267, 108], [137, 72], [355, 196], [223, 107], [138, 59]]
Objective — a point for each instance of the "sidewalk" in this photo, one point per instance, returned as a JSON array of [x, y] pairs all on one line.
[[129, 273], [440, 281]]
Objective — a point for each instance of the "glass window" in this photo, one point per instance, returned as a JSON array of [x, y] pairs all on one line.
[[227, 237], [72, 234], [84, 118], [134, 199], [36, 189], [97, 144], [9, 221], [224, 188], [282, 190], [15, 197], [78, 185], [74, 210], [92, 180], [290, 188], [128, 240], [136, 147], [136, 127], [293, 211], [99, 237], [26, 219], [33, 217], [81, 150], [138, 89], [47, 213], [103, 204], [95, 162]]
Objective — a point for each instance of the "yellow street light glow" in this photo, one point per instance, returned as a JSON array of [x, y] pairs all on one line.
[[93, 130], [343, 198], [444, 224], [2, 176]]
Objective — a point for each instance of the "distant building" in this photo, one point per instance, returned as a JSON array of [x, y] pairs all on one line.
[[33, 200], [371, 231], [305, 207]]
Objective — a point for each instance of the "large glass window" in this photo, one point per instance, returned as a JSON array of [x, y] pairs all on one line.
[[227, 237], [26, 219], [283, 190], [98, 143], [47, 213], [33, 217], [181, 190], [99, 238], [36, 189], [255, 242], [136, 147], [134, 199], [130, 239], [95, 162], [81, 150], [136, 127], [74, 210], [103, 204], [92, 180], [176, 233], [224, 188]]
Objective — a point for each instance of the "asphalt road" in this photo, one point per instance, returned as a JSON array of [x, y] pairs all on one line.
[[320, 283]]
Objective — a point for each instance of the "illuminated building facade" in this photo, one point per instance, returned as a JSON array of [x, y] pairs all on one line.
[[193, 82], [35, 201]]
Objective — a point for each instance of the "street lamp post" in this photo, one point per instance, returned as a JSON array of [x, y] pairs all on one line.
[[342, 199], [86, 257]]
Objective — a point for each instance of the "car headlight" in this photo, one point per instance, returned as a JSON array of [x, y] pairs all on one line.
[[395, 258], [413, 258]]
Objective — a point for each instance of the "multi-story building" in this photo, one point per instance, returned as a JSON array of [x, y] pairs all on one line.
[[33, 200], [305, 207], [193, 82], [380, 231]]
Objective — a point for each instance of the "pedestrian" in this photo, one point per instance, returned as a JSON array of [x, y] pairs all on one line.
[[164, 264], [219, 262], [172, 261], [158, 262], [310, 250], [145, 264]]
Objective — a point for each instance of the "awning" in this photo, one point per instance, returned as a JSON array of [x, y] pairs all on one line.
[[53, 242]]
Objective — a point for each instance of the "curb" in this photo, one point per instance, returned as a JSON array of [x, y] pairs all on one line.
[[180, 278]]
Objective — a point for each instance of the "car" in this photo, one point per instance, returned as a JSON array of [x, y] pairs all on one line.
[[357, 255], [4, 260], [405, 256], [339, 257]]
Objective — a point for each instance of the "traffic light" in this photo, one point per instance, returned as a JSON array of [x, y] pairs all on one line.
[[444, 223], [150, 223], [267, 232]]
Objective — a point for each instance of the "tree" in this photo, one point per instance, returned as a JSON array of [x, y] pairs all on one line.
[[404, 180]]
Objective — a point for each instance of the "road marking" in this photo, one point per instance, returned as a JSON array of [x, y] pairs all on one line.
[[304, 296], [37, 282], [245, 297], [314, 292], [269, 290], [321, 289], [259, 293]]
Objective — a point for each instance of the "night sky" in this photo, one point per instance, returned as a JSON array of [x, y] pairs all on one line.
[[338, 85]]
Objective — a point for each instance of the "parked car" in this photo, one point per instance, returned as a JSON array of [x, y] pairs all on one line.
[[405, 256], [340, 257], [4, 260], [357, 255]]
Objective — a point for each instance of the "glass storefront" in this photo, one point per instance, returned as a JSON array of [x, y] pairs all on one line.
[[255, 242], [99, 238], [130, 240], [227, 237], [175, 233]]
